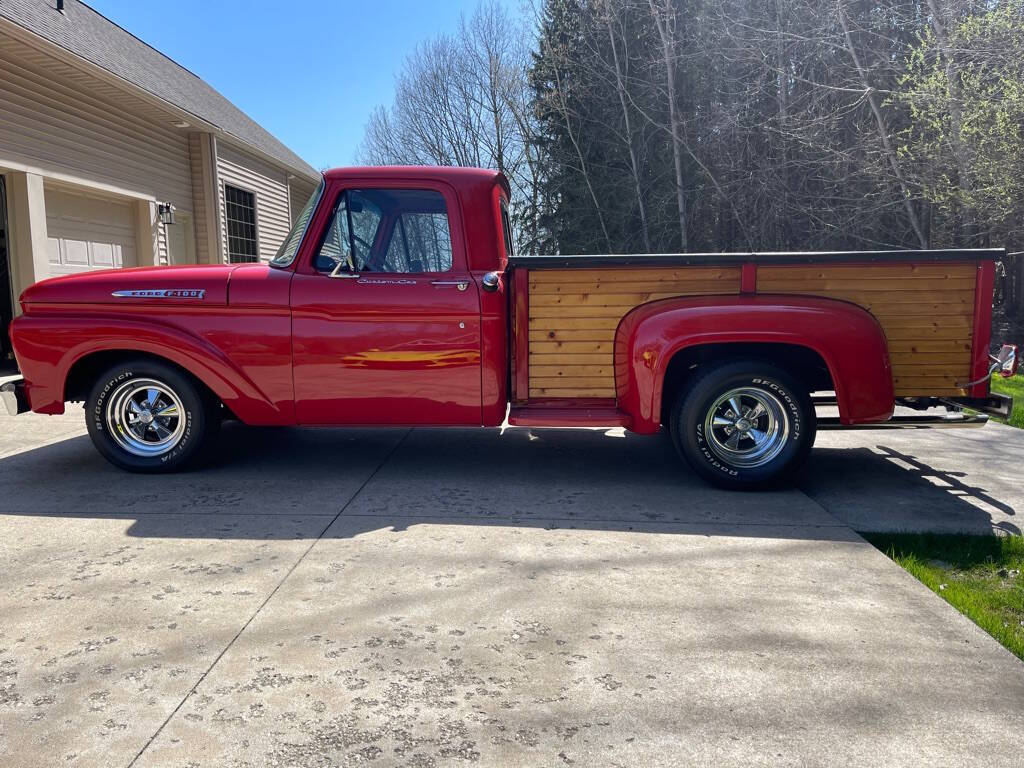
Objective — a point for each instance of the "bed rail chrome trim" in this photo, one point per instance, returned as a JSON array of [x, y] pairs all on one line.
[[960, 420]]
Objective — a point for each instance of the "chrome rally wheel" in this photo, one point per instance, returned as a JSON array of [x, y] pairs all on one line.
[[145, 417], [743, 424], [746, 427]]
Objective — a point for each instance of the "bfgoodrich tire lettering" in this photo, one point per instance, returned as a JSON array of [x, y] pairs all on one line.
[[743, 425], [147, 416]]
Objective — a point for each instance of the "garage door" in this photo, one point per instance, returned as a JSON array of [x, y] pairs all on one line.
[[88, 232]]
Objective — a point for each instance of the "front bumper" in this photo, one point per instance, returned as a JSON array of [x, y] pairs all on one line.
[[13, 394]]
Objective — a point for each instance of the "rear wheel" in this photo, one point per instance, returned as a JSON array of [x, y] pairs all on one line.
[[147, 416], [743, 425]]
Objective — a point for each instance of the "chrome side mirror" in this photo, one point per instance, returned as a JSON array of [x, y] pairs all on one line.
[[491, 282]]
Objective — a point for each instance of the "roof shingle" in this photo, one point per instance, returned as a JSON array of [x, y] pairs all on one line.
[[86, 33]]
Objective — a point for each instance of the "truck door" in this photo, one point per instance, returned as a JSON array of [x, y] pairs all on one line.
[[386, 317]]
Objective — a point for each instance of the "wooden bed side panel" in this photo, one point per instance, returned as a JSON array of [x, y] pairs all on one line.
[[573, 314], [926, 311]]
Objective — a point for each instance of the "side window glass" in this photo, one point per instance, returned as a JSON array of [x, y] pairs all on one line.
[[337, 246], [506, 230], [428, 242], [365, 216], [388, 230]]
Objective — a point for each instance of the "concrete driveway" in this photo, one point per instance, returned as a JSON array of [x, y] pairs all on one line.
[[544, 597]]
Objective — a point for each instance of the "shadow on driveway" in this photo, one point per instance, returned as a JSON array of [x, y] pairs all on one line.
[[552, 478]]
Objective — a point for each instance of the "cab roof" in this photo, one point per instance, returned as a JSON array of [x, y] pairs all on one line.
[[460, 178]]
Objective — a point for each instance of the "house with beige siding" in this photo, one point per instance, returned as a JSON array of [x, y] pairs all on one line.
[[113, 155]]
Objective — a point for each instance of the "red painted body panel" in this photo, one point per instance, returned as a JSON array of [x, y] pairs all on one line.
[[291, 345], [982, 328], [98, 287], [848, 339], [387, 348]]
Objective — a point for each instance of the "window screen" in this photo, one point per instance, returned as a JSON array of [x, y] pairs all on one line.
[[240, 217]]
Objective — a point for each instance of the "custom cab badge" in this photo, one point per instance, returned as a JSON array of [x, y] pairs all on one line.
[[162, 293]]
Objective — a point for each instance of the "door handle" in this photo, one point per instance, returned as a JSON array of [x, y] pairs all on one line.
[[460, 284]]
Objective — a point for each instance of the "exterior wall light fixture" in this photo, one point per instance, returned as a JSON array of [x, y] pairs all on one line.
[[166, 213]]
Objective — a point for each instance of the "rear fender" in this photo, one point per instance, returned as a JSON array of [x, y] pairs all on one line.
[[846, 336], [47, 346]]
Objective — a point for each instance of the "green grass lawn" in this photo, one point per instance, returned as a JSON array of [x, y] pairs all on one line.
[[979, 575], [1014, 387]]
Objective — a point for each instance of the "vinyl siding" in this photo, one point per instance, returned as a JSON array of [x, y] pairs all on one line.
[[64, 122], [270, 186], [300, 191], [202, 190]]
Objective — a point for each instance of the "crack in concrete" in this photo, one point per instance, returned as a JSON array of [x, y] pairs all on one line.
[[280, 583]]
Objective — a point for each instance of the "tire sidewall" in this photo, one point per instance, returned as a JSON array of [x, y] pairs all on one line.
[[194, 415], [689, 419]]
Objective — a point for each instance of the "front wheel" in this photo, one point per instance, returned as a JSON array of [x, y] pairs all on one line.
[[147, 416], [743, 425]]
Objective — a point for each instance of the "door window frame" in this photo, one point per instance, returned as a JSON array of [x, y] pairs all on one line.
[[324, 217]]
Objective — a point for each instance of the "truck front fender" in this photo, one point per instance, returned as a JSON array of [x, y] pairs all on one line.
[[49, 345], [846, 337]]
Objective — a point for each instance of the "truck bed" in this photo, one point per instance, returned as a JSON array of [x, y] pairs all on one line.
[[934, 308]]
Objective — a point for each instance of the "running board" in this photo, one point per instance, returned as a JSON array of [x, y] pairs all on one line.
[[910, 422], [547, 416]]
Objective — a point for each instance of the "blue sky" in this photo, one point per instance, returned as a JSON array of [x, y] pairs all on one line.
[[309, 72]]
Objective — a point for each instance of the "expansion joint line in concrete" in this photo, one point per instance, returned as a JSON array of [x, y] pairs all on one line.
[[273, 592]]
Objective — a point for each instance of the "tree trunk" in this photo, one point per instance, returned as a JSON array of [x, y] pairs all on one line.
[[620, 87], [666, 30], [883, 132]]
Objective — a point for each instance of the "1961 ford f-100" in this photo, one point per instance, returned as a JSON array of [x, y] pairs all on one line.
[[397, 300]]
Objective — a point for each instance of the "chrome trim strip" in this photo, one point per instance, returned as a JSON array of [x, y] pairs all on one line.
[[910, 422], [161, 293]]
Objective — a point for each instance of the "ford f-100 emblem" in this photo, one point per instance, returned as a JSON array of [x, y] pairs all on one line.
[[162, 293]]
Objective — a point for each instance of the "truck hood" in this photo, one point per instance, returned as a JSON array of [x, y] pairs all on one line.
[[205, 285]]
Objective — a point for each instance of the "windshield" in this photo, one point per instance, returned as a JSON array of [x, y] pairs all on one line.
[[286, 253]]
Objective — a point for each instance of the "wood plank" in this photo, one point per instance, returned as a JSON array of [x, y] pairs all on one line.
[[642, 273], [824, 287], [571, 370], [923, 346], [546, 346], [879, 271], [585, 340], [572, 392], [607, 299], [537, 313], [930, 358], [731, 285], [571, 381], [963, 322], [911, 334], [568, 323], [568, 359], [939, 310], [904, 297], [957, 371]]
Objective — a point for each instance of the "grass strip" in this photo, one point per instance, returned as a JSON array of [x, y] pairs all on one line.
[[978, 575]]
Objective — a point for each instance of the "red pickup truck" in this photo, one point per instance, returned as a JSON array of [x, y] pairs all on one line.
[[397, 300]]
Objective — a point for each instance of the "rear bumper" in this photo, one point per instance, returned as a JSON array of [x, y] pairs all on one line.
[[13, 395], [993, 404]]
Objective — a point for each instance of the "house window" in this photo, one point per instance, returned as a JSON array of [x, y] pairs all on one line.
[[240, 215]]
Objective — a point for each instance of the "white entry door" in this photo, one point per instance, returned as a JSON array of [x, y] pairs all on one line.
[[88, 231]]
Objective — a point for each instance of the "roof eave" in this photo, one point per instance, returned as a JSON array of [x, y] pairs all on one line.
[[176, 112]]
